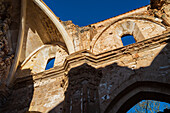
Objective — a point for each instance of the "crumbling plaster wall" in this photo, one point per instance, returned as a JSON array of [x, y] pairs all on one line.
[[42, 41], [106, 35], [41, 96], [154, 67], [48, 94], [35, 33], [111, 38], [38, 61], [39, 45], [98, 38]]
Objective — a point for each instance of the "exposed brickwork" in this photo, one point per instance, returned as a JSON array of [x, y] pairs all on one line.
[[100, 76], [119, 78], [82, 91], [5, 55]]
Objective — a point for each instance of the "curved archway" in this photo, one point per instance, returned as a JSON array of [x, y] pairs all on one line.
[[38, 59], [53, 18], [126, 25], [137, 92], [124, 86], [149, 106], [56, 22]]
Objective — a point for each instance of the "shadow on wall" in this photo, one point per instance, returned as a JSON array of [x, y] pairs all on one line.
[[57, 109], [120, 88], [91, 89], [132, 86], [21, 96]]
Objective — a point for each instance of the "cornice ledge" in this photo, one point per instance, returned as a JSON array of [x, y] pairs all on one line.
[[97, 61]]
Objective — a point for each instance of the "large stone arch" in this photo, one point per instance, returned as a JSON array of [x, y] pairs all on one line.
[[121, 87], [136, 92], [85, 82], [31, 37], [134, 25], [11, 77], [38, 59], [59, 26]]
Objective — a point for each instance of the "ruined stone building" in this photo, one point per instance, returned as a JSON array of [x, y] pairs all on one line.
[[94, 72]]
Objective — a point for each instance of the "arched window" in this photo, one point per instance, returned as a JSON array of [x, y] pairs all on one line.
[[50, 63], [150, 106], [128, 39]]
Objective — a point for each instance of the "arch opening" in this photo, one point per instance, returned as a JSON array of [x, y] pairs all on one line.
[[128, 39], [139, 97], [137, 92], [149, 106], [50, 64]]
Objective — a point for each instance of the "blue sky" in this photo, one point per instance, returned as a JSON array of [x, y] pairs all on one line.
[[86, 12]]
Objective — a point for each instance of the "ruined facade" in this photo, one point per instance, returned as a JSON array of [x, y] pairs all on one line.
[[93, 72]]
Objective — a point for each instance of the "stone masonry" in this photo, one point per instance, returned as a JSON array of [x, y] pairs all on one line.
[[93, 72]]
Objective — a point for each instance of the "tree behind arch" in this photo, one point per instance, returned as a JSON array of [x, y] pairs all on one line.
[[149, 106]]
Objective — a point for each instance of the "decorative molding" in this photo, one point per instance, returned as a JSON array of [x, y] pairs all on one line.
[[99, 60], [11, 75], [137, 17], [58, 25]]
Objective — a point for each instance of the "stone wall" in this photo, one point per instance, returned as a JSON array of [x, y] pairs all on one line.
[[38, 61], [117, 78], [5, 55], [110, 74], [98, 37], [9, 26], [101, 75], [106, 35], [40, 95]]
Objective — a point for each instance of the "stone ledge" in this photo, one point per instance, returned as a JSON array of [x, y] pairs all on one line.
[[97, 61]]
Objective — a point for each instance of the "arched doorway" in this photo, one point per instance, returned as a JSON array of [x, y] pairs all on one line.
[[137, 92]]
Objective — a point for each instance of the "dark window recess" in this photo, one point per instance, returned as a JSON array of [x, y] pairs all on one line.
[[128, 39], [50, 63]]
